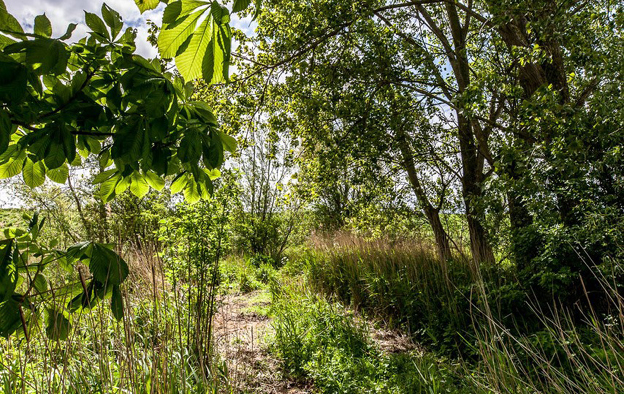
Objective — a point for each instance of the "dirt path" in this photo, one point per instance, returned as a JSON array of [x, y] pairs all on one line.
[[242, 330], [242, 327]]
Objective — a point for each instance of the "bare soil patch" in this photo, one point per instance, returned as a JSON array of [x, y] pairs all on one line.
[[241, 339]]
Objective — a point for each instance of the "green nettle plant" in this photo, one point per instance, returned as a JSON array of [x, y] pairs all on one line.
[[61, 102]]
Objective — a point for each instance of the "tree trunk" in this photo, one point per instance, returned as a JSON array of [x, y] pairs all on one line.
[[472, 160], [479, 244], [441, 238], [431, 213]]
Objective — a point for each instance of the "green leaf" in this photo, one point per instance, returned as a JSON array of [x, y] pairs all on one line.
[[122, 185], [216, 63], [8, 271], [112, 19], [229, 143], [213, 157], [68, 33], [154, 180], [9, 317], [13, 166], [58, 326], [106, 266], [160, 159], [139, 187], [59, 175], [190, 147], [190, 61], [191, 194], [40, 283], [240, 5], [78, 81], [173, 35], [146, 5], [43, 27], [45, 55], [78, 251], [33, 173], [55, 156], [204, 110], [96, 24], [213, 174], [6, 129], [107, 188], [205, 184], [179, 183], [129, 142], [258, 5], [104, 175], [8, 23], [172, 12], [13, 79], [117, 303]]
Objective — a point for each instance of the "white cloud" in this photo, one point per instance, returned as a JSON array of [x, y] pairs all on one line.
[[63, 12]]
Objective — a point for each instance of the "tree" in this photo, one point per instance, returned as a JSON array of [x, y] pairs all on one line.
[[512, 87], [63, 102]]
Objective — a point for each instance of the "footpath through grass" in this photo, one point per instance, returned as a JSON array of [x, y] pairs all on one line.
[[318, 345], [327, 309]]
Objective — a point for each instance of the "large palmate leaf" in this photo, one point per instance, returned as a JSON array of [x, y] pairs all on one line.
[[107, 101], [199, 51]]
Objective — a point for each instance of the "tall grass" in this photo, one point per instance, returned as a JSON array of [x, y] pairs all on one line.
[[148, 352], [509, 339], [401, 282]]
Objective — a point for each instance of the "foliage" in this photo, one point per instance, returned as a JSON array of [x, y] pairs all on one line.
[[97, 97], [318, 340], [493, 109], [200, 50], [27, 296]]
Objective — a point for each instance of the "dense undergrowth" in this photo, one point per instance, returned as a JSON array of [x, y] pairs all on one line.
[[327, 301], [507, 340], [328, 344]]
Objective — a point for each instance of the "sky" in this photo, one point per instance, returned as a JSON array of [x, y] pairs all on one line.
[[63, 12]]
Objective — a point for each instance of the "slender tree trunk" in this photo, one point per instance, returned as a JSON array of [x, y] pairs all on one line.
[[85, 223], [431, 213], [471, 191], [472, 160], [440, 235]]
